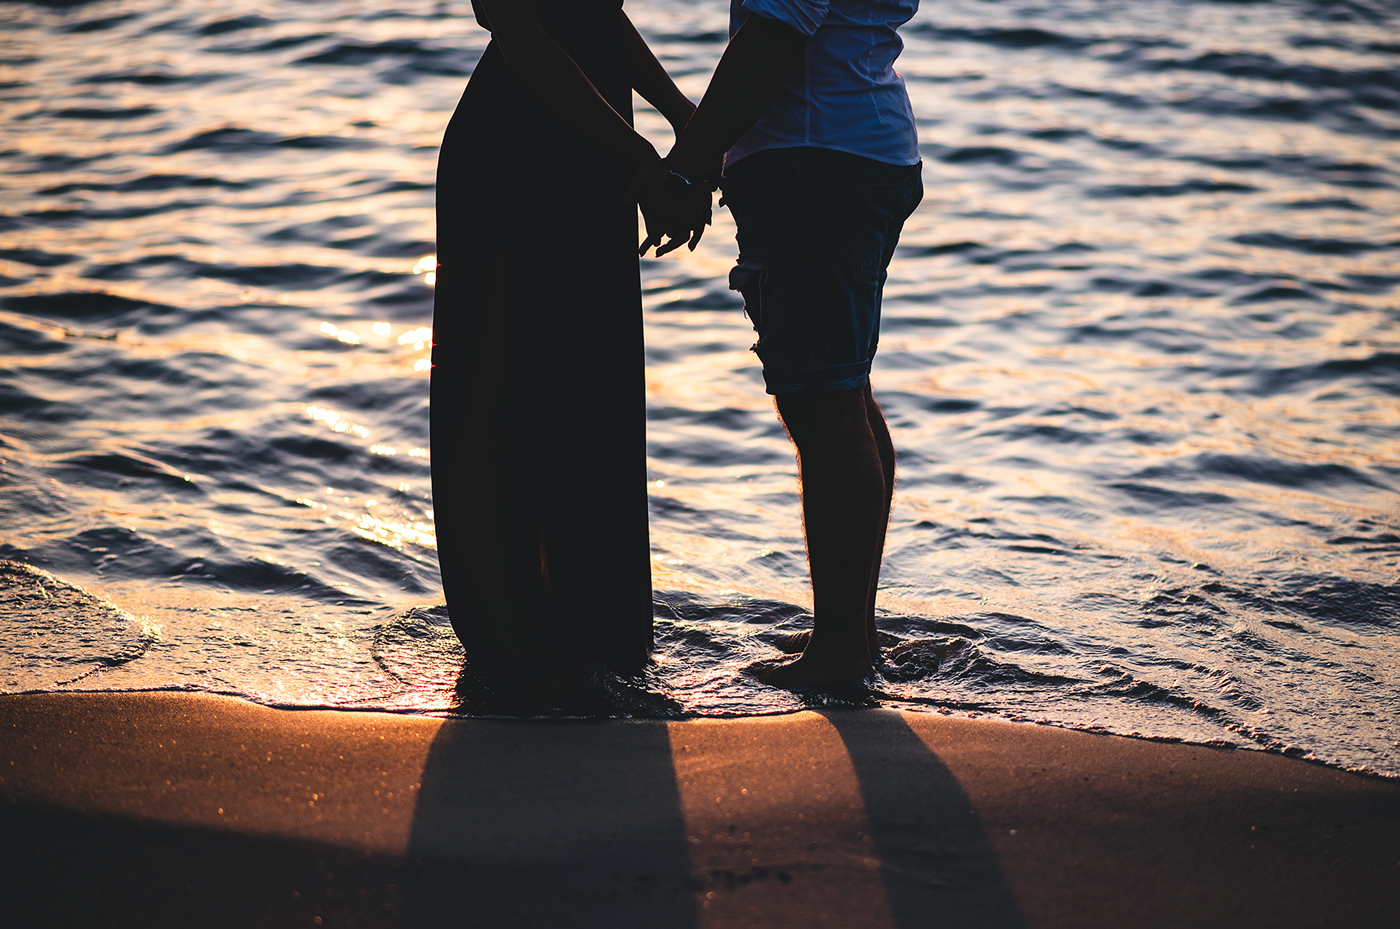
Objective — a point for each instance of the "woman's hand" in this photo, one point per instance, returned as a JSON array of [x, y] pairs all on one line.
[[675, 209]]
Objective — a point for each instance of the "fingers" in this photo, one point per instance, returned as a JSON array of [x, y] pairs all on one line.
[[673, 244], [674, 240], [671, 223]]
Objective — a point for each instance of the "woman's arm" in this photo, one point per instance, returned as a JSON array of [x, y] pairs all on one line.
[[556, 78], [650, 79]]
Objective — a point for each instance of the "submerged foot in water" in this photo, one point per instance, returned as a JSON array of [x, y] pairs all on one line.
[[806, 672], [795, 643]]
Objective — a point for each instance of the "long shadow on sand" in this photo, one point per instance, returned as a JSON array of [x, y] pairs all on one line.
[[569, 822], [935, 860], [548, 823]]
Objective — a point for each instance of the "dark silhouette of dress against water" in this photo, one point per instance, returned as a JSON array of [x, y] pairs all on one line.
[[538, 394]]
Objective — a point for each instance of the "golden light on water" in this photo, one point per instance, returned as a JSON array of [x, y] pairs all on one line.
[[394, 533], [420, 337], [427, 266], [336, 421], [390, 531]]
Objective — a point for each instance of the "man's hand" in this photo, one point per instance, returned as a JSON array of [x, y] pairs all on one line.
[[674, 211]]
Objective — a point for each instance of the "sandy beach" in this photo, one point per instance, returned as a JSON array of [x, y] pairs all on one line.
[[166, 809]]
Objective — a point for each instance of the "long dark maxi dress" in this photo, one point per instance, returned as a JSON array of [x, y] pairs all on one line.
[[538, 395]]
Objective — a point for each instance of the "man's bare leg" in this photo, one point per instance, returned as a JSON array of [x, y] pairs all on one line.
[[885, 445], [796, 642], [845, 506]]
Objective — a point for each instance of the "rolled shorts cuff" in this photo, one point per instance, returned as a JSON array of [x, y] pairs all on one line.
[[830, 378]]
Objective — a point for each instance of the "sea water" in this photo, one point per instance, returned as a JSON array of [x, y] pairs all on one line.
[[1140, 359]]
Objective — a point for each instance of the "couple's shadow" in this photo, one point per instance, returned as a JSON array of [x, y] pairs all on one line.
[[612, 823]]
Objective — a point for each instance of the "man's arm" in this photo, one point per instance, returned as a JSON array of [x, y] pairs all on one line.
[[746, 82]]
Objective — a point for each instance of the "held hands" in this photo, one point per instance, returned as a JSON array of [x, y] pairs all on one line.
[[676, 208]]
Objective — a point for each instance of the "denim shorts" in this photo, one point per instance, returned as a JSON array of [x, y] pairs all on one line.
[[817, 229]]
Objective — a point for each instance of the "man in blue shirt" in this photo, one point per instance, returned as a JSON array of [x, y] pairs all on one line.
[[820, 169]]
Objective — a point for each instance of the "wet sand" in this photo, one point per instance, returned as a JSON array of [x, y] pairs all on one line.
[[175, 809]]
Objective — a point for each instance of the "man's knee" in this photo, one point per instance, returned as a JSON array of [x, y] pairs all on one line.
[[821, 416]]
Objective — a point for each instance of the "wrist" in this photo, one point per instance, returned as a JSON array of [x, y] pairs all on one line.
[[679, 184], [693, 170], [643, 154]]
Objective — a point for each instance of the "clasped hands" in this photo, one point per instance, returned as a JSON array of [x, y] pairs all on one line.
[[675, 214]]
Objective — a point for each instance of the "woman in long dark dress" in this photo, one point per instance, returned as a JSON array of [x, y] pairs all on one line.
[[538, 406]]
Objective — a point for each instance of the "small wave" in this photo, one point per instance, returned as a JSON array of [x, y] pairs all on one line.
[[714, 298], [409, 59], [101, 24], [1365, 82], [1154, 498], [152, 78], [236, 139], [1130, 686], [1325, 203], [1260, 469], [271, 45], [358, 53], [36, 257], [290, 275], [18, 402], [202, 558], [96, 112], [1379, 371], [154, 182], [1338, 601], [976, 154], [1144, 288], [236, 24], [87, 306], [418, 648], [1021, 258], [1003, 37], [1110, 191], [1272, 293], [1041, 432], [128, 465], [1358, 174], [67, 633], [1310, 245]]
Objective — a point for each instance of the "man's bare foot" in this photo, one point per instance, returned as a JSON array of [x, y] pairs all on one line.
[[795, 643], [807, 673]]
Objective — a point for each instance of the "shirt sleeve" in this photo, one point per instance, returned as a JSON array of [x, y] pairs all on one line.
[[806, 16]]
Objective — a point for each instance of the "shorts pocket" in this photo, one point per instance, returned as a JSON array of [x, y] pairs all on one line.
[[747, 277]]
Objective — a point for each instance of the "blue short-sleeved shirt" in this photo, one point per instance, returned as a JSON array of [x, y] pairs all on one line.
[[846, 95]]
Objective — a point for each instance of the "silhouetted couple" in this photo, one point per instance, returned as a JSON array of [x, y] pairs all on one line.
[[538, 406]]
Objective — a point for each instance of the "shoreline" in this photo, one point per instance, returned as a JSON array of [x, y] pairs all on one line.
[[1221, 744], [162, 808]]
